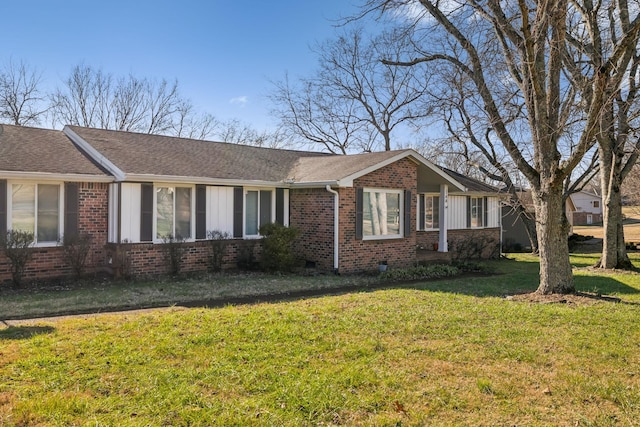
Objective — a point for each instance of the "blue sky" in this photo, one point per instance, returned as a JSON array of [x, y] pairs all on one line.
[[223, 52]]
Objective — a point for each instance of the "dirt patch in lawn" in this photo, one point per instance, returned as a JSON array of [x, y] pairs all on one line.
[[577, 299]]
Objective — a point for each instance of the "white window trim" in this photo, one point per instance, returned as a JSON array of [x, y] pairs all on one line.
[[424, 195], [482, 211], [400, 235], [244, 210], [60, 185], [157, 185]]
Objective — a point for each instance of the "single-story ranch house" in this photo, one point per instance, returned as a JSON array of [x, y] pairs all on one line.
[[128, 191]]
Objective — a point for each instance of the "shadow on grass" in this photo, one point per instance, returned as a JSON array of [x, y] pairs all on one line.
[[24, 332], [603, 285]]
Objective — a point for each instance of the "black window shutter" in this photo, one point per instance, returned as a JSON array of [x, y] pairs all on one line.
[[421, 211], [3, 206], [468, 211], [407, 213], [359, 216], [146, 213], [485, 213], [238, 195], [265, 208], [71, 210], [201, 212], [280, 206]]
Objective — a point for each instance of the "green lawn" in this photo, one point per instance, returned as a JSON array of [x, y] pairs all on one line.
[[447, 352]]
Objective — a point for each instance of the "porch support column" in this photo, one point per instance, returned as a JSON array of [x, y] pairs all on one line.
[[442, 218]]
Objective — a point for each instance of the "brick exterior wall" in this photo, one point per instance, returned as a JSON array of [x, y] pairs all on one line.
[[311, 211], [580, 218], [357, 255], [93, 219], [427, 239], [149, 259]]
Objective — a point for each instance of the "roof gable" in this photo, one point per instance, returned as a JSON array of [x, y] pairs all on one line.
[[342, 170], [42, 153]]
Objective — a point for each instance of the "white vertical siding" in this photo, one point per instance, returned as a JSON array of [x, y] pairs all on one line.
[[130, 217], [493, 212], [457, 212], [220, 209]]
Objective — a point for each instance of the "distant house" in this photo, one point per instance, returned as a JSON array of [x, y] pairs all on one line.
[[581, 208], [584, 208], [130, 191]]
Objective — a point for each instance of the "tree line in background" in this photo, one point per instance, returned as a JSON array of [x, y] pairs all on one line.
[[524, 95], [90, 97]]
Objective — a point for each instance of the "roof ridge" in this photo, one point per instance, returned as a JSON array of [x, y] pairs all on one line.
[[195, 140]]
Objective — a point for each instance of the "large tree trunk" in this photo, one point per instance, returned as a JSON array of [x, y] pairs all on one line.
[[552, 226], [614, 251]]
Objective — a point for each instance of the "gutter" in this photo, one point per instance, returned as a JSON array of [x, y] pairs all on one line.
[[336, 228]]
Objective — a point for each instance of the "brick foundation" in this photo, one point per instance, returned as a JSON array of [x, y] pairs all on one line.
[[149, 259]]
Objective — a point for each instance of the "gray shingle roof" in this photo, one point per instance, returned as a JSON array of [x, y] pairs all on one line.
[[336, 167], [142, 154], [25, 149], [472, 185]]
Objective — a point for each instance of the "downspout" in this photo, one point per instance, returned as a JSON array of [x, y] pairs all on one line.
[[336, 228]]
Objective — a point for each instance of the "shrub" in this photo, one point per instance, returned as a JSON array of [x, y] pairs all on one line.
[[16, 245], [218, 243], [277, 247], [76, 249], [473, 267], [174, 251], [122, 262], [474, 246], [247, 255]]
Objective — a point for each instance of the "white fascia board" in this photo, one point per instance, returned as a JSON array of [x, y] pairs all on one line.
[[45, 176], [94, 154], [175, 179], [318, 184]]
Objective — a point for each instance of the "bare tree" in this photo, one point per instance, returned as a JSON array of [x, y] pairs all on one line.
[[92, 98], [21, 101], [238, 132], [535, 43], [189, 124], [309, 112], [354, 101], [618, 139]]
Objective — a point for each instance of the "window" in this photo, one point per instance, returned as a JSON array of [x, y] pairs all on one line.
[[258, 210], [477, 211], [173, 212], [381, 213], [429, 212], [596, 203], [36, 208]]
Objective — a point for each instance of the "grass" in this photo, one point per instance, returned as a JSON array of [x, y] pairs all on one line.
[[110, 296], [631, 226], [440, 353]]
